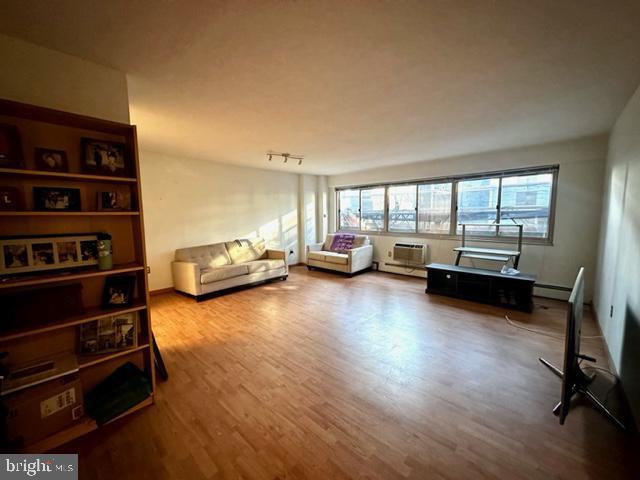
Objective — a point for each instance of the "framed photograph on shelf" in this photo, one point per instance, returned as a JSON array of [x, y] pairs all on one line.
[[33, 254], [51, 160], [114, 201], [10, 147], [109, 334], [56, 198], [102, 157], [118, 291], [11, 198]]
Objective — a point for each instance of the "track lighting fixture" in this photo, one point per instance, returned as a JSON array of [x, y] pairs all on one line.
[[285, 156]]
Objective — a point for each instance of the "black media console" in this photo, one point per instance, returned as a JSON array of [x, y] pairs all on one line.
[[486, 286]]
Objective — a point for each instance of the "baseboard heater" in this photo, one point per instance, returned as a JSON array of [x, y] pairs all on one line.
[[552, 287], [404, 265]]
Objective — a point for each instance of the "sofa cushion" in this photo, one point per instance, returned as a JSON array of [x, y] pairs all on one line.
[[246, 249], [318, 256], [338, 258], [206, 256], [358, 241], [264, 265], [211, 275]]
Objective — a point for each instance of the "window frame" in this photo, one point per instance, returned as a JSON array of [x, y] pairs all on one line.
[[454, 180]]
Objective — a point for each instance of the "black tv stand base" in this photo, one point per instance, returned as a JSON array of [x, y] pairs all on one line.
[[582, 386]]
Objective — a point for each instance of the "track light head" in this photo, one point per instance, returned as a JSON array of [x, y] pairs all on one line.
[[300, 162], [270, 157]]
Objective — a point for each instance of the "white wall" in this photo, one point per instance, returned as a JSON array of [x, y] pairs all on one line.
[[577, 213], [308, 199], [322, 208], [193, 202], [618, 277], [39, 76]]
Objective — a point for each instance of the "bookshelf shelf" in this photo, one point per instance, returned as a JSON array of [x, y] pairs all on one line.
[[78, 274], [91, 360], [34, 213], [82, 427], [90, 315], [19, 172], [30, 343]]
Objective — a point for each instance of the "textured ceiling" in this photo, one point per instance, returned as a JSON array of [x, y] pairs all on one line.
[[351, 84]]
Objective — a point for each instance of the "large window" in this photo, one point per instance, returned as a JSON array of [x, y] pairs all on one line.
[[402, 208], [490, 206]]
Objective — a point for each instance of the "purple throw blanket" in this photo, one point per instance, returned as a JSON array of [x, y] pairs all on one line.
[[342, 242]]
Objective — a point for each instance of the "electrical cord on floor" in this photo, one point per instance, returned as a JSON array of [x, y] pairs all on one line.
[[546, 334], [532, 330], [605, 370], [409, 270]]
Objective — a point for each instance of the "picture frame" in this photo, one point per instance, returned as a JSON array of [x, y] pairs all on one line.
[[11, 198], [108, 334], [118, 291], [56, 199], [43, 253], [103, 157], [10, 147], [51, 160], [113, 201]]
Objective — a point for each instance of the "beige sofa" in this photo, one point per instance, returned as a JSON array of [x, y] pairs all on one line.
[[206, 269], [360, 257]]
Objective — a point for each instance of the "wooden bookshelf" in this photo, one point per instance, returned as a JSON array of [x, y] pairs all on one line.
[[45, 128]]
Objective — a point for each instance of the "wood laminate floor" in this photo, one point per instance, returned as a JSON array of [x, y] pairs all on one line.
[[328, 377]]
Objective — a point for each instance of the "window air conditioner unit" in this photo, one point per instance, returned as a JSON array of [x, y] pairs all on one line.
[[410, 253]]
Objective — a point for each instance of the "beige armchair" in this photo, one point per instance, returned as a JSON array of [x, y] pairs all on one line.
[[360, 257]]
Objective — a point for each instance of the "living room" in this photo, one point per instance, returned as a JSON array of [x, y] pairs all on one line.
[[334, 239]]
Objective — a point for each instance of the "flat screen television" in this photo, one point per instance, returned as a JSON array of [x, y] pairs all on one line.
[[574, 379]]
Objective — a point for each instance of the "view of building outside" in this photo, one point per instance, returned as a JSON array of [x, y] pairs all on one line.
[[477, 205], [372, 208], [402, 208], [349, 209], [434, 208], [526, 200]]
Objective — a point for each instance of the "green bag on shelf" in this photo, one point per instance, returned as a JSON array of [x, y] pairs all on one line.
[[123, 389]]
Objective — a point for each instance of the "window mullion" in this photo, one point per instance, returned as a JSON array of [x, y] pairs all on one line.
[[339, 212], [498, 206], [415, 229], [453, 227]]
